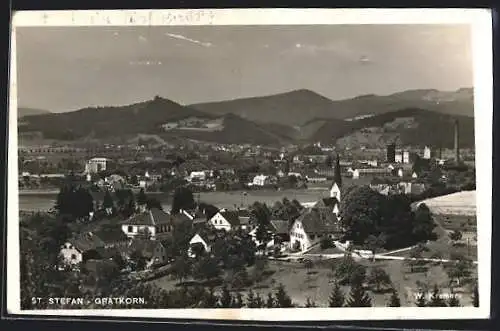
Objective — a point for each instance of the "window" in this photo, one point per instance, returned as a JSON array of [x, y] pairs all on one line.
[[312, 237], [73, 256], [130, 228]]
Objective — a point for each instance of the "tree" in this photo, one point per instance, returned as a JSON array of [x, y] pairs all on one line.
[[107, 203], [348, 271], [181, 268], [310, 303], [251, 302], [282, 299], [421, 300], [453, 301], [436, 299], [460, 269], [226, 299], [210, 299], [394, 300], [360, 212], [154, 203], [139, 260], [378, 278], [336, 298], [238, 301], [142, 198], [358, 297], [423, 225], [475, 296], [374, 243], [183, 199], [455, 236], [270, 300], [206, 268]]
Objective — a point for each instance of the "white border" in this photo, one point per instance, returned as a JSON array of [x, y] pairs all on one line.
[[481, 23]]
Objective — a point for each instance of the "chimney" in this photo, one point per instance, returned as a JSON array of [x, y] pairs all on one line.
[[457, 149]]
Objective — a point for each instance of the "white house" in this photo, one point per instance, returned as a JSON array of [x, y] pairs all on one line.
[[312, 226], [96, 164], [398, 158], [154, 222], [261, 180], [414, 175], [225, 220], [406, 157], [197, 176], [74, 251], [198, 239], [400, 172], [355, 174], [427, 153]]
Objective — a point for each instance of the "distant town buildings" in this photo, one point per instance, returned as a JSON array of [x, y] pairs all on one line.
[[96, 165], [427, 153]]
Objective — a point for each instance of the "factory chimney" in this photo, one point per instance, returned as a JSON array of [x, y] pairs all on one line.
[[457, 148]]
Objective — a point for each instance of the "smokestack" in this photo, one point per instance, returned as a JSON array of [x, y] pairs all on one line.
[[457, 149]]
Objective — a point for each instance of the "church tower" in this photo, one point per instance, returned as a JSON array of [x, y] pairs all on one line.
[[337, 181]]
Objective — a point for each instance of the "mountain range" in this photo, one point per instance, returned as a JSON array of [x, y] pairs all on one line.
[[417, 117], [25, 111]]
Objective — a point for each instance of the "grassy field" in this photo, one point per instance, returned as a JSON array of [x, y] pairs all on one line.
[[316, 283]]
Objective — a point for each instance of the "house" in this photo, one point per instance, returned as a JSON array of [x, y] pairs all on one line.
[[153, 250], [197, 176], [312, 226], [331, 204], [280, 231], [225, 220], [202, 241], [96, 165], [81, 248], [153, 222], [261, 180]]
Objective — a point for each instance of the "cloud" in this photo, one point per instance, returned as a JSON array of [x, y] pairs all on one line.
[[144, 63], [143, 39], [181, 37]]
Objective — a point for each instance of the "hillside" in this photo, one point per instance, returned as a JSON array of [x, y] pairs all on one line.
[[411, 126], [162, 119], [102, 122], [301, 106], [25, 111]]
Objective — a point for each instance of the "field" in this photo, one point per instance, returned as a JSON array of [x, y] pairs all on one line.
[[316, 283]]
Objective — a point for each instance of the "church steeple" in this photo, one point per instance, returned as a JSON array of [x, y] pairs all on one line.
[[337, 181], [337, 178]]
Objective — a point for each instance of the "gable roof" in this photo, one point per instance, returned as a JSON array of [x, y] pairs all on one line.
[[150, 217], [280, 226], [231, 216], [111, 235], [318, 221], [86, 241], [326, 202]]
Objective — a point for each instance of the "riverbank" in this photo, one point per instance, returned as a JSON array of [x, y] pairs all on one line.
[[44, 200]]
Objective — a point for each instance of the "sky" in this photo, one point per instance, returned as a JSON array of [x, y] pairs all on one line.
[[68, 68]]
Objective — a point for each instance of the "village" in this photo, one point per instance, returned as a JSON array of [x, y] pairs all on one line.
[[116, 223]]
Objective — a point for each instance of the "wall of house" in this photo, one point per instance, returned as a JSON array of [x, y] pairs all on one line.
[[335, 192], [70, 254], [197, 240], [137, 229], [220, 223], [159, 256], [297, 234]]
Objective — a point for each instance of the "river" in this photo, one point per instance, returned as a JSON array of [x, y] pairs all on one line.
[[44, 201]]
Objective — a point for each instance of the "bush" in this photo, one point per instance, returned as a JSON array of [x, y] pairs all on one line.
[[326, 243]]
